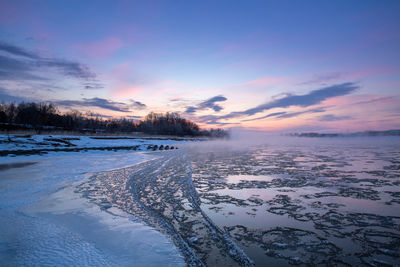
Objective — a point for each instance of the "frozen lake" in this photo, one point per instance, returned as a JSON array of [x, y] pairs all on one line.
[[278, 201], [305, 201]]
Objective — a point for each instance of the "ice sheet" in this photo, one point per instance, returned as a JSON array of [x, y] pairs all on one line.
[[45, 223]]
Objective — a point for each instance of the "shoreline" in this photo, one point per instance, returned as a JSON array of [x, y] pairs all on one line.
[[161, 193], [43, 144], [66, 228]]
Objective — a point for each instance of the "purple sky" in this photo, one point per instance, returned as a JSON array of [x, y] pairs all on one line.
[[269, 65]]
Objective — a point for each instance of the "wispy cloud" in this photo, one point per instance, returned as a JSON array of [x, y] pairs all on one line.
[[375, 100], [93, 86], [288, 100], [286, 115], [267, 116], [17, 51], [213, 120], [102, 48], [17, 63], [331, 117], [312, 98], [7, 97], [208, 104], [99, 115], [100, 103], [323, 78], [295, 114], [14, 69], [68, 68], [133, 117], [137, 104]]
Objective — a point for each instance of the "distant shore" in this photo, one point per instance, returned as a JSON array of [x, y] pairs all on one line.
[[356, 134]]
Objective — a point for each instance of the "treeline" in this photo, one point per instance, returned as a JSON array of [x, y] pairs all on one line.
[[356, 134], [47, 117]]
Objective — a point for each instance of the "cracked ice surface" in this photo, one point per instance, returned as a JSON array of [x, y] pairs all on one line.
[[161, 192], [306, 202]]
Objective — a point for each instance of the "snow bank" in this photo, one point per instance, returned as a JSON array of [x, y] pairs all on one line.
[[44, 222]]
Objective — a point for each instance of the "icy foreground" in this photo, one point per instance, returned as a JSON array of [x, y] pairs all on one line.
[[17, 144], [64, 201], [161, 192], [283, 202], [44, 222]]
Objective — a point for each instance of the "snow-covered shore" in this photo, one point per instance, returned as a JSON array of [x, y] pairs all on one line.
[[45, 222], [43, 144]]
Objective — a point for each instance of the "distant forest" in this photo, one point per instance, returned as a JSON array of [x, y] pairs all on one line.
[[46, 117], [356, 134]]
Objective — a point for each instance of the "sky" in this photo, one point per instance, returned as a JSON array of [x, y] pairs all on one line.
[[286, 66]]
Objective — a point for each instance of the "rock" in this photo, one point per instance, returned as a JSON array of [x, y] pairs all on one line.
[[193, 239]]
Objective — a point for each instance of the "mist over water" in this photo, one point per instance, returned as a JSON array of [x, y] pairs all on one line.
[[293, 200]]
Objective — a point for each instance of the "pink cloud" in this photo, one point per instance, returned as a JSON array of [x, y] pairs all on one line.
[[263, 81], [125, 90], [260, 82], [120, 71], [126, 82], [357, 100], [102, 48], [369, 73]]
